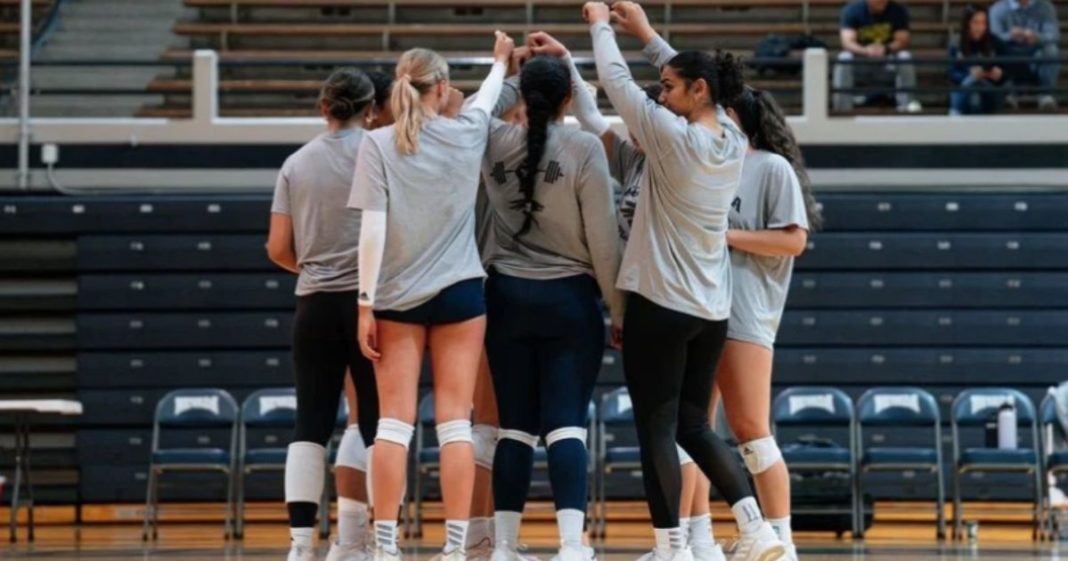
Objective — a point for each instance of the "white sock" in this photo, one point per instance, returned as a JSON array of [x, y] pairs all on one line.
[[570, 522], [684, 525], [301, 536], [782, 529], [747, 514], [455, 535], [478, 530], [386, 535], [701, 531], [351, 520], [668, 541], [507, 528]]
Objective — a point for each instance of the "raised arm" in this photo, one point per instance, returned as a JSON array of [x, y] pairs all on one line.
[[488, 94], [583, 97], [654, 126]]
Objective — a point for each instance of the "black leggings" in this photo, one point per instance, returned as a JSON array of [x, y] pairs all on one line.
[[324, 345], [669, 360]]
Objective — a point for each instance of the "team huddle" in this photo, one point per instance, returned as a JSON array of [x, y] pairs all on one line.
[[488, 234]]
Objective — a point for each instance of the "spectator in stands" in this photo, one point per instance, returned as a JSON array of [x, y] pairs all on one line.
[[875, 30], [1029, 28], [980, 82]]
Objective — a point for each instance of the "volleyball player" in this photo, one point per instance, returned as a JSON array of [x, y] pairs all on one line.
[[676, 270], [416, 182], [314, 235], [555, 253], [773, 212]]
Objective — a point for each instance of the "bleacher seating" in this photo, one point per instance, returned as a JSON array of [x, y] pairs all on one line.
[[10, 18], [248, 32]]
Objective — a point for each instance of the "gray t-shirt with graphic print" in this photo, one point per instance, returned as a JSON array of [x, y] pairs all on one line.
[[575, 232], [769, 197], [429, 200], [626, 164], [312, 188]]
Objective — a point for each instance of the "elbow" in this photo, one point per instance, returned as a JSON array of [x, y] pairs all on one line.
[[280, 256], [798, 243]]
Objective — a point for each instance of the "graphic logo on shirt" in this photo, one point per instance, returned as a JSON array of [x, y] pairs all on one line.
[[553, 172], [877, 33], [364, 297], [736, 204]]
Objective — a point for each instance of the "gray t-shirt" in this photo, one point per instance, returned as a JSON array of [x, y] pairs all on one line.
[[312, 188], [575, 232], [483, 225], [769, 197], [626, 163], [429, 200], [677, 252]]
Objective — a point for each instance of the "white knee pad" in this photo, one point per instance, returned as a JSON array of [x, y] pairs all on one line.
[[485, 440], [578, 433], [684, 457], [518, 436], [395, 431], [305, 472], [454, 431], [760, 454], [351, 452]]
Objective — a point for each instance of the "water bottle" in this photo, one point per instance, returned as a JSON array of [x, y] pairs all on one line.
[[1007, 426]]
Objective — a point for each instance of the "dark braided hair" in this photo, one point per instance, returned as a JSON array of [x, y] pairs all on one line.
[[764, 123], [346, 92], [545, 83], [723, 72]]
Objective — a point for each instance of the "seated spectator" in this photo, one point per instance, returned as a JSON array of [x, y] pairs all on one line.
[[876, 30], [980, 81], [1029, 28]]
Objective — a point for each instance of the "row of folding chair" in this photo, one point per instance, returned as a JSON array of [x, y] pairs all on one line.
[[914, 409], [213, 408], [800, 407]]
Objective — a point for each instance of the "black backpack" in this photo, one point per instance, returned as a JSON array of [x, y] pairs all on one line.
[[774, 48]]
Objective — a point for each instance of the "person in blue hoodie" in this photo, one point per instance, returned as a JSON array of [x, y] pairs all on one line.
[[1029, 28], [981, 82]]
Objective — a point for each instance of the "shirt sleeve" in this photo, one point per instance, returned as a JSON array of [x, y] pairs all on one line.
[[657, 129], [369, 188], [508, 99], [998, 27], [600, 225], [489, 94], [658, 52], [280, 203], [851, 17], [584, 105], [900, 19], [784, 203]]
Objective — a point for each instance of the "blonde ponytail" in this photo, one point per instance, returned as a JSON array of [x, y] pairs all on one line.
[[418, 71]]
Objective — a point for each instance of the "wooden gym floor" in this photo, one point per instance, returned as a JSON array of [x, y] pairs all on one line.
[[112, 533]]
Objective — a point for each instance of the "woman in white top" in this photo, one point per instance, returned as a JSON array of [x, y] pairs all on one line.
[[416, 182], [677, 272]]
